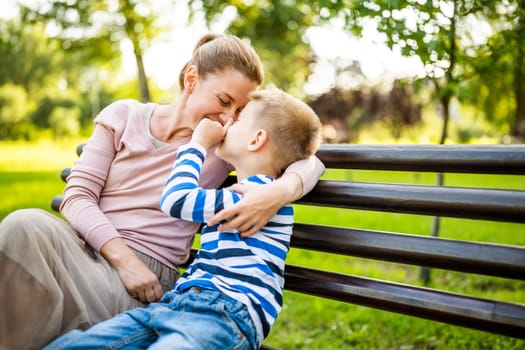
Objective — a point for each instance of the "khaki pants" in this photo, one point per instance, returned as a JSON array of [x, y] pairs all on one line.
[[51, 281]]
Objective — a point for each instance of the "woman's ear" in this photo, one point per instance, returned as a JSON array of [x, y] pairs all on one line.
[[259, 139], [190, 77]]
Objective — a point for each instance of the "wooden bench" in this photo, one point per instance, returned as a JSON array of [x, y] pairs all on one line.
[[500, 205]]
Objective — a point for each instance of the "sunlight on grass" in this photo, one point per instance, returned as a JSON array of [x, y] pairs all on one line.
[[37, 156], [30, 172]]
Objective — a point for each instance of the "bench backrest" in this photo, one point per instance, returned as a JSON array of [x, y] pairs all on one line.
[[472, 203], [422, 250]]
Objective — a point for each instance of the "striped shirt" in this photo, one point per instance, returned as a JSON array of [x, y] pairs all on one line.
[[249, 269]]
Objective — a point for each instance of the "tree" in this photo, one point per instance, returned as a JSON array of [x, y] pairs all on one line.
[[498, 82], [96, 28], [425, 29], [441, 34], [65, 121], [277, 31], [14, 111], [27, 57], [346, 112], [30, 64], [519, 69], [429, 30]]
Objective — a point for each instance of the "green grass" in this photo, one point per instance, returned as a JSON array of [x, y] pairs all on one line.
[[29, 177], [28, 190], [30, 173]]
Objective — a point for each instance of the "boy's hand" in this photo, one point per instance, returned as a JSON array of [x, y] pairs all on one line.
[[209, 133]]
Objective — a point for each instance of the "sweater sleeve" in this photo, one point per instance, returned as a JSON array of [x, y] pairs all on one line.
[[183, 198], [87, 180]]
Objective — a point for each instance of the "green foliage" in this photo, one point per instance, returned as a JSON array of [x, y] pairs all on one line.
[[497, 81], [65, 121], [276, 29], [13, 104], [104, 25], [27, 57], [35, 78], [66, 53], [69, 18], [53, 83], [442, 34], [15, 108]]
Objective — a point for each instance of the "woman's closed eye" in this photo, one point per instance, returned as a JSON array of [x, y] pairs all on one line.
[[225, 103]]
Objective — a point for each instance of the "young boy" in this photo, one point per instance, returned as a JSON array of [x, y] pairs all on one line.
[[231, 294]]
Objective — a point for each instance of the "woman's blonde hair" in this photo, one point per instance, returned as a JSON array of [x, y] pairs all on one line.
[[293, 128], [218, 52]]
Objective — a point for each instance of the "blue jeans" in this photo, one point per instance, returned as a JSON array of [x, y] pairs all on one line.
[[193, 319]]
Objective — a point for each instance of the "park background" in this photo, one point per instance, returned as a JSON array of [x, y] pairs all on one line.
[[398, 71]]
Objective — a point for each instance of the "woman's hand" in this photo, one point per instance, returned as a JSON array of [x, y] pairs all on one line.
[[137, 278], [139, 281], [258, 205]]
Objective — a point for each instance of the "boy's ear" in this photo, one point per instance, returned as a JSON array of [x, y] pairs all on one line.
[[259, 139]]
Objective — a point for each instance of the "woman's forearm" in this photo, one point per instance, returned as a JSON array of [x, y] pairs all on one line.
[[261, 202], [308, 171], [288, 188]]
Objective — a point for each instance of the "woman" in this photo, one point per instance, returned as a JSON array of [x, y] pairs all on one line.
[[118, 250]]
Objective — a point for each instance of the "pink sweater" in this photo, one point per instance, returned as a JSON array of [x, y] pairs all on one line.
[[116, 184]]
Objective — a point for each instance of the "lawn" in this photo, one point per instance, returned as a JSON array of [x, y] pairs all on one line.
[[29, 177]]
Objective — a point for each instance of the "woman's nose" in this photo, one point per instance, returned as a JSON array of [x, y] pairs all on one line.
[[224, 118], [227, 115]]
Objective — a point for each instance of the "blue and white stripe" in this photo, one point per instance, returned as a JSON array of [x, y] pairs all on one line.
[[250, 269]]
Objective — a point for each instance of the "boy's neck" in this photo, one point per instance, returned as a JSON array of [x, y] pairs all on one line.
[[255, 165]]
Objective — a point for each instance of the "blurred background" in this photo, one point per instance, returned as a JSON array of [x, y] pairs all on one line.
[[399, 71]]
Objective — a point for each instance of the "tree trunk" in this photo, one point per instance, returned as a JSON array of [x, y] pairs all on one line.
[[424, 273], [143, 81], [519, 74], [127, 9]]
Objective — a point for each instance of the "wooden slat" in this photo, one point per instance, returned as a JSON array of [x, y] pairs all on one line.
[[473, 257], [483, 314], [491, 159], [487, 204], [471, 203]]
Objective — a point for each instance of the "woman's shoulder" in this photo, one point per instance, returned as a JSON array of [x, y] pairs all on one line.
[[120, 112], [124, 106]]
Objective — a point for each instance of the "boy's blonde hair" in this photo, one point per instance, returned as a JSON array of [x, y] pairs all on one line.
[[214, 53], [293, 128]]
